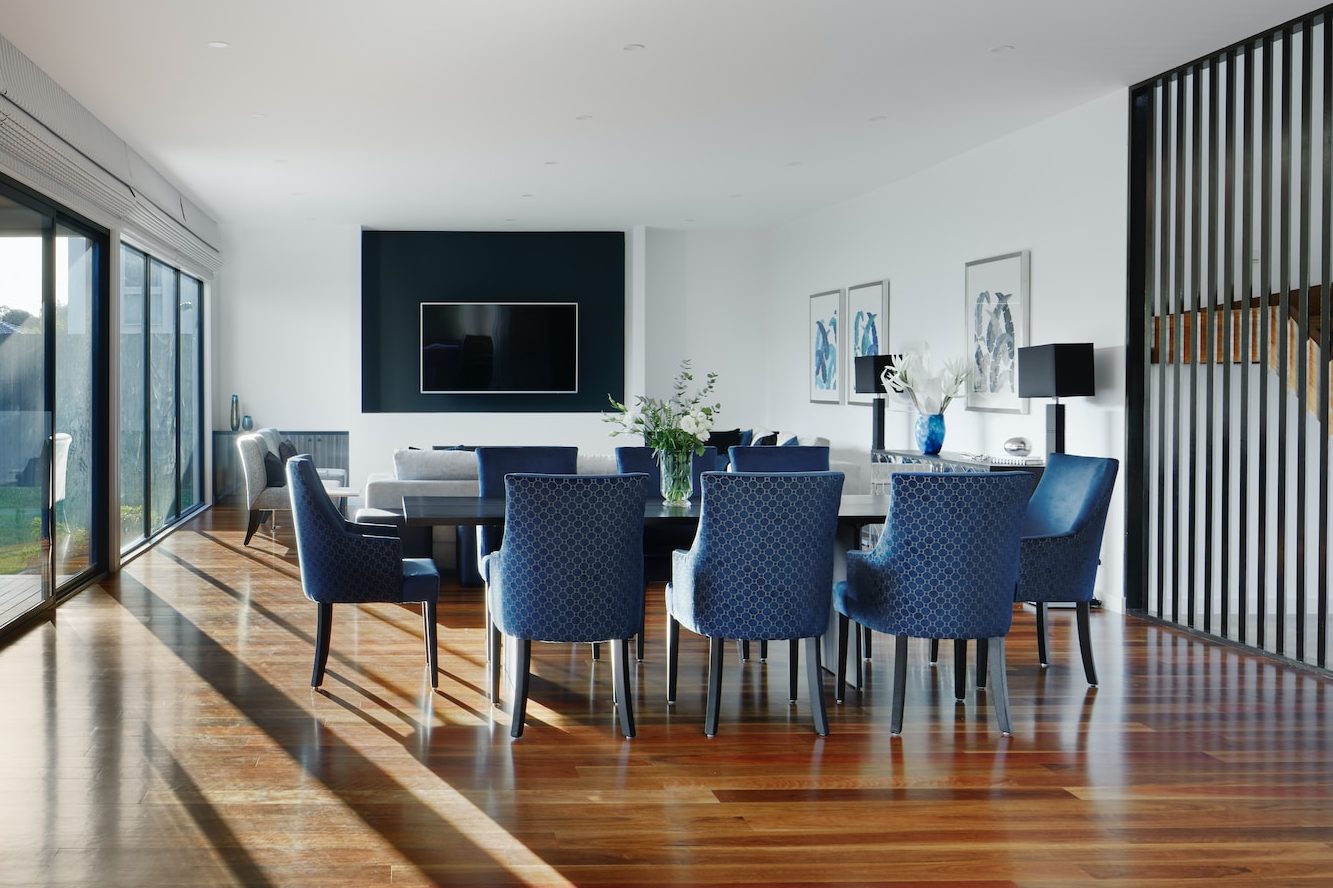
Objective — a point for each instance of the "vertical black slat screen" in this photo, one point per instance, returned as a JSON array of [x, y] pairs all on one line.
[[1265, 288], [1228, 298], [1209, 345], [1163, 313], [1283, 318], [1235, 230], [1325, 354], [1141, 202], [1177, 341], [1302, 330], [1195, 338]]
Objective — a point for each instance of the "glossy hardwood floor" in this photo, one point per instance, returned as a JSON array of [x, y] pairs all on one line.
[[161, 731]]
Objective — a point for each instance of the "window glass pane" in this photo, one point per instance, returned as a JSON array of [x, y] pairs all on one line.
[[192, 451], [133, 444], [25, 453], [162, 394], [76, 264]]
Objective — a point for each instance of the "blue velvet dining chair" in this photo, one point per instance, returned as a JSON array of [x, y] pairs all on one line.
[[570, 569], [1062, 544], [347, 563], [761, 568], [660, 542], [945, 567], [779, 459], [791, 458]]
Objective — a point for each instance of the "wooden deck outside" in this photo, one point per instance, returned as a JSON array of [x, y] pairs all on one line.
[[161, 732]]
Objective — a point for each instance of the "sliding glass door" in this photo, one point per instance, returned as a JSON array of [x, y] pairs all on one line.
[[51, 280], [161, 396]]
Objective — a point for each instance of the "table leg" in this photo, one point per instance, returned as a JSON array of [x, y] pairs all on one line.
[[848, 538]]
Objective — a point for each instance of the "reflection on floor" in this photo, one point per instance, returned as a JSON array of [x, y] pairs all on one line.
[[161, 732]]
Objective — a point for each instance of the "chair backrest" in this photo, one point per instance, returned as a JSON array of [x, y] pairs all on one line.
[[1074, 495], [252, 449], [951, 544], [336, 565], [643, 460], [763, 555], [779, 459], [272, 438], [493, 463], [571, 566]]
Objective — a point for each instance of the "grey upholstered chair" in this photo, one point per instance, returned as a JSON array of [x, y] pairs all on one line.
[[260, 499]]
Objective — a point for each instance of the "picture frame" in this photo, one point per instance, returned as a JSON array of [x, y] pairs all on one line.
[[995, 318], [823, 345], [867, 328]]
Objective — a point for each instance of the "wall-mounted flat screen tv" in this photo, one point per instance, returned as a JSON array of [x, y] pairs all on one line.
[[499, 347]]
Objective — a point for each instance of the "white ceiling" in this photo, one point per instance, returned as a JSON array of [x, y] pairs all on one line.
[[465, 113]]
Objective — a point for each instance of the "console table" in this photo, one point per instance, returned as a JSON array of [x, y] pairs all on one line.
[[948, 461], [329, 450]]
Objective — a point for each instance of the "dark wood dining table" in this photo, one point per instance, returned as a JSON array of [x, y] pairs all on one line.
[[855, 511]]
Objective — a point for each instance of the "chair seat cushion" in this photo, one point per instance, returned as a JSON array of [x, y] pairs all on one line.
[[421, 581]]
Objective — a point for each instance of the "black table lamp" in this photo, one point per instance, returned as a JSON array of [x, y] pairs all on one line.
[[869, 371], [1056, 371]]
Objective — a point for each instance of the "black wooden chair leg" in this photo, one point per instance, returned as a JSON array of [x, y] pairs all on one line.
[[643, 619], [743, 649], [715, 646], [983, 658], [934, 651], [960, 669], [256, 519], [840, 683], [899, 683], [620, 680], [1085, 642], [673, 656], [494, 652], [323, 632], [865, 646], [814, 678], [1042, 657], [793, 668], [763, 652], [999, 687], [597, 650], [429, 613], [518, 710]]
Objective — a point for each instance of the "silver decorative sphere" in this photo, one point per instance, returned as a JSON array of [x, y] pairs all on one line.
[[1018, 447]]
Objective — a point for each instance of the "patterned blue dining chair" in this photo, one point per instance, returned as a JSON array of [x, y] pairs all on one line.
[[945, 567], [793, 458], [779, 459], [1062, 544], [347, 563], [761, 568], [660, 541], [570, 569]]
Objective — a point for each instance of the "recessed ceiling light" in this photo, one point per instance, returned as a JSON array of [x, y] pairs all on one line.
[[525, 195], [551, 163], [584, 117], [511, 220], [735, 195], [633, 47], [793, 163], [218, 44], [280, 160], [1002, 48], [258, 115], [878, 118], [690, 219]]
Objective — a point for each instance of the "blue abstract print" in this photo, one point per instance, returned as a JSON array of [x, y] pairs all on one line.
[[996, 350], [825, 346], [865, 333]]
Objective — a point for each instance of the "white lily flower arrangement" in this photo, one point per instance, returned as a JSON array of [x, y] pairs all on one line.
[[914, 380], [679, 424]]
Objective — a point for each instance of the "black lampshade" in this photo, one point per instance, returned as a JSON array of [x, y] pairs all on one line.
[[868, 371], [1056, 371]]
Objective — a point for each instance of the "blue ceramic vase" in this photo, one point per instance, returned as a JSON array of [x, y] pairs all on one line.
[[930, 432]]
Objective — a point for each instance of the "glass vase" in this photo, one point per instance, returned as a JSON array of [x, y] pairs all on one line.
[[235, 413], [930, 432], [677, 469]]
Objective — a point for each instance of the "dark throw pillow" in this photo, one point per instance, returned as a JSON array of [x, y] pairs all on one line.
[[468, 448], [724, 441], [273, 469], [767, 441], [286, 450]]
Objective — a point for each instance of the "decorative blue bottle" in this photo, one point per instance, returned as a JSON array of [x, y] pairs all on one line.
[[930, 432]]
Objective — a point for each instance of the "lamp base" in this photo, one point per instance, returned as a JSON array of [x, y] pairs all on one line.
[[1055, 428]]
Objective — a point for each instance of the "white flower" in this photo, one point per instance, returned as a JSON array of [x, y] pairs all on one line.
[[689, 425], [703, 422]]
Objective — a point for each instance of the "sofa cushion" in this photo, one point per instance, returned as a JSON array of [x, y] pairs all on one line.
[[596, 464], [286, 450], [724, 440], [769, 440], [275, 476], [434, 465]]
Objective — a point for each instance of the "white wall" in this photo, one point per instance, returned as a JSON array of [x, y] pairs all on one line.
[[1058, 189], [289, 339]]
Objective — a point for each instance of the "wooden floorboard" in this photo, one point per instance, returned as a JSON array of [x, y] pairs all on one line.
[[160, 730]]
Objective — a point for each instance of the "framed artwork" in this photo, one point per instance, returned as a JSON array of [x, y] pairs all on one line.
[[867, 330], [996, 312], [823, 344]]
